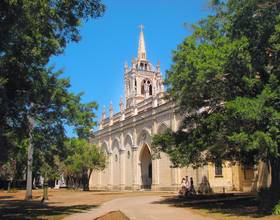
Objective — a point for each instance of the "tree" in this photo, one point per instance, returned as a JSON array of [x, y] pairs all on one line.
[[33, 31], [226, 81], [8, 171], [82, 159]]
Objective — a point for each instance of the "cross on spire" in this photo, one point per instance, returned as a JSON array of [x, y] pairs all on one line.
[[141, 26]]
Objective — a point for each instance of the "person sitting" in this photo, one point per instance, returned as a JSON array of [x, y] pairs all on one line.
[[182, 191], [187, 186], [191, 189]]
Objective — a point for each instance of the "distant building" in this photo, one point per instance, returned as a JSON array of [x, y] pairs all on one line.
[[126, 139]]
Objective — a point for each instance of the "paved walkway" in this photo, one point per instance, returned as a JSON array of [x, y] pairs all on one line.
[[140, 208]]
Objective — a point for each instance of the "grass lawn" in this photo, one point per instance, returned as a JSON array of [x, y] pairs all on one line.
[[61, 202], [232, 207]]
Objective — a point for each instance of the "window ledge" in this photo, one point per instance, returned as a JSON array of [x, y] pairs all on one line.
[[219, 176]]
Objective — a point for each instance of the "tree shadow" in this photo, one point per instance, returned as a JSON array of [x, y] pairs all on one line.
[[19, 209], [6, 197], [231, 205], [117, 215]]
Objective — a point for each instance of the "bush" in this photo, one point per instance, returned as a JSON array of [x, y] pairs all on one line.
[[276, 209]]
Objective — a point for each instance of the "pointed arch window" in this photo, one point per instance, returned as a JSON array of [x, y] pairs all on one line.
[[218, 169], [146, 87], [141, 66]]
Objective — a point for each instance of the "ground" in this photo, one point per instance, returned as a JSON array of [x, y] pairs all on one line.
[[139, 207], [65, 202], [61, 202], [114, 215], [223, 206]]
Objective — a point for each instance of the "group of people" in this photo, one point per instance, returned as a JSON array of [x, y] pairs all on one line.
[[187, 187]]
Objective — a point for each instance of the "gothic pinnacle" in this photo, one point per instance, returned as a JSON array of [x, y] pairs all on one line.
[[141, 45]]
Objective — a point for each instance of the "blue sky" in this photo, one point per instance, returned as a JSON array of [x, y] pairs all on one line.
[[95, 64]]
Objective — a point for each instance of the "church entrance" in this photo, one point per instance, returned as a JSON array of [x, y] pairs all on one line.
[[146, 167]]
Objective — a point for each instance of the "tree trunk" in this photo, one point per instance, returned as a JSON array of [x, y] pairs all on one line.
[[28, 195], [9, 186], [72, 182], [77, 182], [85, 181], [275, 174]]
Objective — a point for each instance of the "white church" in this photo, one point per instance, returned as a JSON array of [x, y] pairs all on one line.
[[126, 139]]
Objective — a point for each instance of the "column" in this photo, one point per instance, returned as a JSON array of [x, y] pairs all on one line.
[[135, 182], [198, 178], [99, 179], [98, 185], [122, 169], [155, 163], [155, 176], [176, 177], [110, 169]]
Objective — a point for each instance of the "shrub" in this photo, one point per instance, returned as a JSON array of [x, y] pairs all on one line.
[[276, 209]]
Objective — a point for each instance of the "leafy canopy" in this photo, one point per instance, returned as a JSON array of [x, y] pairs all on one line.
[[226, 81], [32, 32]]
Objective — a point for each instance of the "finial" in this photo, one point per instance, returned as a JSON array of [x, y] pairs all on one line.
[[111, 109], [121, 104], [133, 62], [125, 66], [104, 113], [158, 66]]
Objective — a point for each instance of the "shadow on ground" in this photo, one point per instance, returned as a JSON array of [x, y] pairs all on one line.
[[231, 205], [19, 209], [6, 197], [114, 215]]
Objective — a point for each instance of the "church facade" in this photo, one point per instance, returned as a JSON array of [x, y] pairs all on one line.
[[126, 139]]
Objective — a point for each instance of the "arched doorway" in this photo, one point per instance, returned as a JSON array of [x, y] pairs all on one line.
[[146, 167]]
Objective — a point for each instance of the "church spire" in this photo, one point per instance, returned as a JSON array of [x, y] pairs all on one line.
[[141, 45]]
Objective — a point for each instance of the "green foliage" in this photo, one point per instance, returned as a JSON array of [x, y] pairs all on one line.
[[32, 32], [81, 160], [276, 209], [225, 78], [8, 170], [83, 156], [81, 116]]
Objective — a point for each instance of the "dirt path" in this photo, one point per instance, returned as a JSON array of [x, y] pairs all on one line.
[[139, 208]]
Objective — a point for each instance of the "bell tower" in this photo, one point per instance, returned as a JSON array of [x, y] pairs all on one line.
[[142, 79]]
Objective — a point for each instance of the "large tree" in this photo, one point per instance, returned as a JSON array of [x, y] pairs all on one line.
[[226, 80], [32, 32], [35, 101]]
